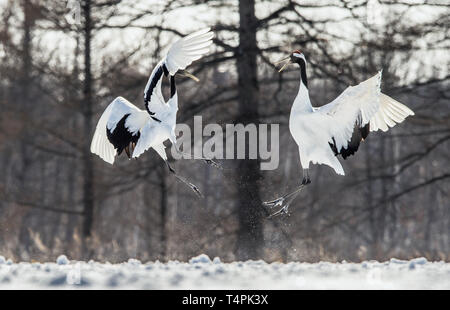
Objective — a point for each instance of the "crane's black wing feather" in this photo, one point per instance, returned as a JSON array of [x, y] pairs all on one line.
[[359, 134], [121, 138]]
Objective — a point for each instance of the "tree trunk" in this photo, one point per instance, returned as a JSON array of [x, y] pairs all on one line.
[[370, 204], [23, 92], [163, 210], [250, 234], [88, 169]]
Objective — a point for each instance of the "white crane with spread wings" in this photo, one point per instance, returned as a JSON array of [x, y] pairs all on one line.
[[336, 128], [125, 127]]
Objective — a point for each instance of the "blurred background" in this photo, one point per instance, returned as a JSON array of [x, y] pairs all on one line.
[[62, 62]]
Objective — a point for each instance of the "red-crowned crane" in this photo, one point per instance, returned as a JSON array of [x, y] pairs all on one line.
[[125, 127], [338, 127]]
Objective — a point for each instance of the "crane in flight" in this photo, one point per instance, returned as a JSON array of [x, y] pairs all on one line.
[[337, 128], [125, 127]]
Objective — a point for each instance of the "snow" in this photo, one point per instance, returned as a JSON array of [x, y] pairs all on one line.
[[203, 273], [62, 260], [201, 259]]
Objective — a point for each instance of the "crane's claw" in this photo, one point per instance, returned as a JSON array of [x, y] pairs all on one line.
[[213, 163], [196, 190], [279, 202], [283, 211], [283, 202], [192, 186], [274, 203]]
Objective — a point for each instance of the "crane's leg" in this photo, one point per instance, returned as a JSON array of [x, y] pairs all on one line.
[[191, 186], [209, 161], [285, 201], [306, 180]]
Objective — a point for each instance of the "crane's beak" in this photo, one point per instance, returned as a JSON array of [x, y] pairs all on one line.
[[284, 59], [285, 65], [188, 74], [287, 60]]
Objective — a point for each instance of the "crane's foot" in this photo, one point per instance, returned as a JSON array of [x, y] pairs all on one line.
[[282, 202], [279, 202], [195, 189], [283, 211], [180, 178], [306, 181], [285, 200], [207, 160], [213, 163], [192, 186], [274, 203]]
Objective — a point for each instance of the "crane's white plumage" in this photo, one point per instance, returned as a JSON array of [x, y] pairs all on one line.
[[314, 129], [336, 128], [188, 49], [108, 121], [153, 134], [123, 126]]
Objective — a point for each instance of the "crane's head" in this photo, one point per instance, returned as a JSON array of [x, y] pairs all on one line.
[[295, 57]]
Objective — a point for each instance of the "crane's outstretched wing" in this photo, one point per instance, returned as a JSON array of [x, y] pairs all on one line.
[[390, 113], [359, 110], [118, 126], [180, 55], [188, 49]]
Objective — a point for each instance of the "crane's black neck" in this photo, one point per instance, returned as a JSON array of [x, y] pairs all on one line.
[[173, 86], [301, 62], [162, 69], [303, 72]]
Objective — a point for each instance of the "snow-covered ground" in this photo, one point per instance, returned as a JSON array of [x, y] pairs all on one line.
[[203, 273]]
